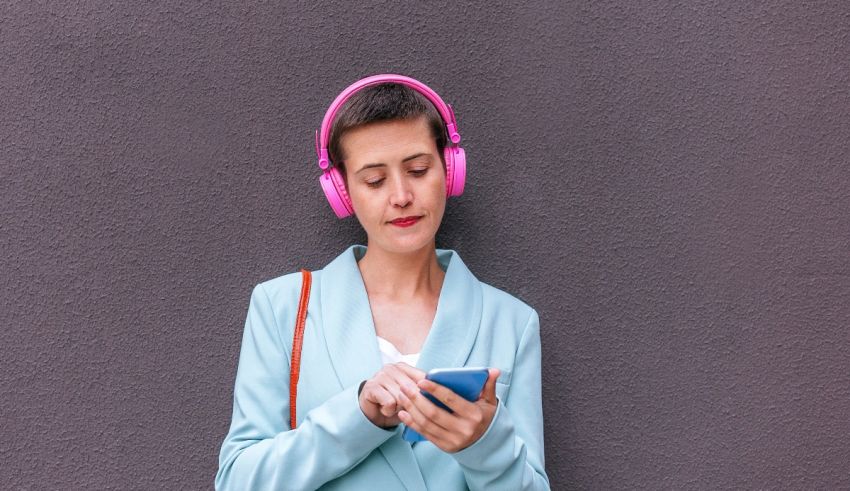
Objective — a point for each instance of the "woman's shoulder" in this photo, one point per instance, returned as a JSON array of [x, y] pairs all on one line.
[[504, 303], [285, 286]]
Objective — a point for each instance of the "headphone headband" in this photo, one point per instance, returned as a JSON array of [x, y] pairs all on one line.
[[323, 133]]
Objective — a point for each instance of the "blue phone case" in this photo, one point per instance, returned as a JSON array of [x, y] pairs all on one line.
[[465, 382]]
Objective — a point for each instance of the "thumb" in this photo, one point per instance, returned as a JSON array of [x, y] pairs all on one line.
[[489, 392]]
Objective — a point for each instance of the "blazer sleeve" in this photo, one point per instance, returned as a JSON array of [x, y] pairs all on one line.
[[509, 455], [260, 450]]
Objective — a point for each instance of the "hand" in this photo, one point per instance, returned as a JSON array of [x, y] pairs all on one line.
[[450, 432], [380, 398]]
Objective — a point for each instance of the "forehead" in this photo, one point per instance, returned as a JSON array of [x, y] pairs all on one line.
[[387, 141]]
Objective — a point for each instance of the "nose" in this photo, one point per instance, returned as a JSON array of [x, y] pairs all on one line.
[[401, 194]]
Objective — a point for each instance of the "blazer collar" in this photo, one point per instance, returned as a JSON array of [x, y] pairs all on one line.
[[350, 330]]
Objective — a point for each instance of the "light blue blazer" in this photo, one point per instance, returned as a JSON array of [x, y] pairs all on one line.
[[334, 445]]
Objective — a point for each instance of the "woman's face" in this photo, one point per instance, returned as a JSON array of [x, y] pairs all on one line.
[[393, 170]]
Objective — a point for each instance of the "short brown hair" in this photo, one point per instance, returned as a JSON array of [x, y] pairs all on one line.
[[383, 102]]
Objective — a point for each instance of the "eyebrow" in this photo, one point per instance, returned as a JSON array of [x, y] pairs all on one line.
[[369, 166]]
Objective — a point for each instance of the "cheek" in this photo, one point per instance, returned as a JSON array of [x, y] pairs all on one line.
[[362, 206], [438, 201], [438, 183]]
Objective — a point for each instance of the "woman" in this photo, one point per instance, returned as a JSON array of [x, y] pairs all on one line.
[[379, 318]]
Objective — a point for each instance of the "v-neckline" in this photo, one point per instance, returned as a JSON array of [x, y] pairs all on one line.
[[359, 251]]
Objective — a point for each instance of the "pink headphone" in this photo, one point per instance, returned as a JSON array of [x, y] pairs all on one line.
[[332, 181]]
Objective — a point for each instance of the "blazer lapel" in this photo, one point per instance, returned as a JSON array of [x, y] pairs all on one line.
[[458, 316], [347, 320], [401, 458]]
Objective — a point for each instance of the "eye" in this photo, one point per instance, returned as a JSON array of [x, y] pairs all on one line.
[[377, 182]]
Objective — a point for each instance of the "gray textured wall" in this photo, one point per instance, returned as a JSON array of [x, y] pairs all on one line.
[[666, 182]]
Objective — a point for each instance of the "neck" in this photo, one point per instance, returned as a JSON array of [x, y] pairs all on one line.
[[401, 277]]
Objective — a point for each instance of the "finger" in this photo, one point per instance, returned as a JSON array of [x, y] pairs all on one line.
[[412, 372], [380, 396], [417, 404], [389, 381], [447, 396], [421, 422], [389, 404], [389, 410], [393, 379], [433, 433], [489, 392]]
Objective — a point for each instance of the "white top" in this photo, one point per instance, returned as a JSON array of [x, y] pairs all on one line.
[[389, 353]]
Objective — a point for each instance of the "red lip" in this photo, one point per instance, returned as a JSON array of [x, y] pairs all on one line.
[[405, 221]]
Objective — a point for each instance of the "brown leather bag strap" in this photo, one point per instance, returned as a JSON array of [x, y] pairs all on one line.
[[297, 341]]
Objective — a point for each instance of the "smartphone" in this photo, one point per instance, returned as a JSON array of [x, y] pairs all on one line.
[[465, 382]]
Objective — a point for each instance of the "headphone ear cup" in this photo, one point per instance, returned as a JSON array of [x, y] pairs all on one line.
[[455, 170], [333, 184]]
